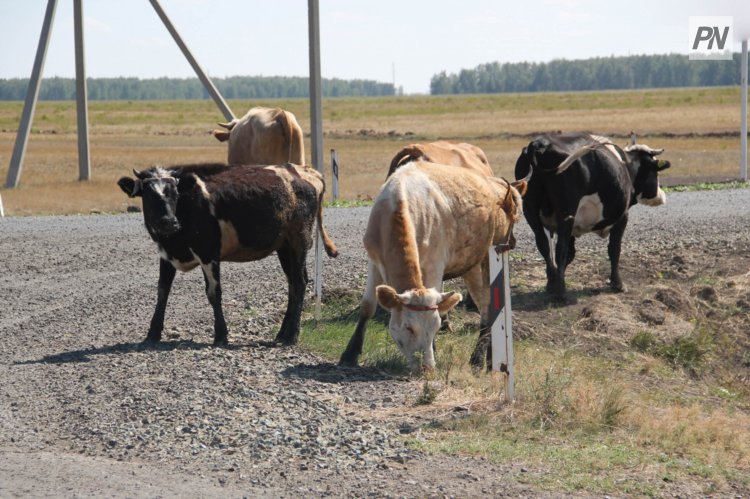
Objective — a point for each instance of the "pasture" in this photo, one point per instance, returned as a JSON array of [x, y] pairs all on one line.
[[640, 393], [698, 127]]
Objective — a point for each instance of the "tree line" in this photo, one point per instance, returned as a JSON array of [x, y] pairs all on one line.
[[235, 87], [600, 73]]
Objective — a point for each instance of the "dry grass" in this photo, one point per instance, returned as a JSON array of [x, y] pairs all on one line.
[[126, 135]]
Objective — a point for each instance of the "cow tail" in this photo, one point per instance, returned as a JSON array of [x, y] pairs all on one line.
[[408, 153], [328, 244]]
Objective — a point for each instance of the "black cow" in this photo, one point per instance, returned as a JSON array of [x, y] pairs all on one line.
[[204, 214], [584, 183]]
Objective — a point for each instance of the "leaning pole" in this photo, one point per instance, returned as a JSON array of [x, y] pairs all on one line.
[[32, 93]]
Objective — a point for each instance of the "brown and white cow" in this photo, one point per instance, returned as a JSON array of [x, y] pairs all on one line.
[[200, 215], [432, 222], [445, 153], [264, 136]]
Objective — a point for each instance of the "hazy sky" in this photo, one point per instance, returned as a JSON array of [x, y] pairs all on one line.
[[359, 39]]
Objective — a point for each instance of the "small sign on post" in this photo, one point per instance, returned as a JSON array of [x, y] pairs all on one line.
[[501, 317], [335, 175]]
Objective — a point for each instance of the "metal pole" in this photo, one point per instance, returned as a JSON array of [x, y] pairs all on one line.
[[207, 83], [316, 125], [2, 211], [32, 93], [743, 120], [82, 115], [335, 175]]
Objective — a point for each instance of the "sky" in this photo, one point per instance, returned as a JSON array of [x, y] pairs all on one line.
[[374, 39]]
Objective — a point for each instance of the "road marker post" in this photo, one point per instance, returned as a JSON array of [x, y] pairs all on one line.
[[501, 317], [335, 175]]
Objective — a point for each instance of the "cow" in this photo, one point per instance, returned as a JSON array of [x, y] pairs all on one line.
[[200, 215], [445, 153], [584, 183], [264, 136], [432, 222]]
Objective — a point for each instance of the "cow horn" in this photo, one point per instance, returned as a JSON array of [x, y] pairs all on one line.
[[528, 176], [136, 173], [228, 125]]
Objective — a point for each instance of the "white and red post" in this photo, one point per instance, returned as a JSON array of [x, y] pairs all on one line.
[[501, 317]]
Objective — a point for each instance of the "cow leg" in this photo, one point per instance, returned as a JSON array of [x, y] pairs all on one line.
[[366, 311], [211, 276], [571, 250], [543, 245], [562, 256], [613, 248], [477, 282], [166, 277], [293, 263]]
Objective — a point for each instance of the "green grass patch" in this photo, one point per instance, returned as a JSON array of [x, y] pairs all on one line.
[[329, 336], [708, 186], [347, 203]]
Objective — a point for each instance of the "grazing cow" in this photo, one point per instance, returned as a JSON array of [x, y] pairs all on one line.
[[584, 183], [445, 153], [264, 136], [432, 222], [205, 214]]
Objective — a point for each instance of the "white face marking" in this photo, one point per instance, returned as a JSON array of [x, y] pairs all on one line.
[[658, 200]]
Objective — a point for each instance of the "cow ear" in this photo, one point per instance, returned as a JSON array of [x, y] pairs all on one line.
[[221, 135], [662, 165], [448, 301], [388, 298], [521, 186], [130, 187]]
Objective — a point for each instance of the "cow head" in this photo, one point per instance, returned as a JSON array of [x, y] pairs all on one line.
[[415, 319], [646, 167], [158, 188], [223, 135]]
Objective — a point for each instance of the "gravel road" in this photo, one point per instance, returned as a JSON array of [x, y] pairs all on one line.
[[85, 410]]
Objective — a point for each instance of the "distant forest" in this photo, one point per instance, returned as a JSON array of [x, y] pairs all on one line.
[[601, 73], [236, 87]]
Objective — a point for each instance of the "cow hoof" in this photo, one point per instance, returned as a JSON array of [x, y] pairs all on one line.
[[348, 362], [285, 341], [621, 288], [558, 299], [150, 340], [221, 342]]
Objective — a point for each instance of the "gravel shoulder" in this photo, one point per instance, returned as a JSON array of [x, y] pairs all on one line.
[[85, 410]]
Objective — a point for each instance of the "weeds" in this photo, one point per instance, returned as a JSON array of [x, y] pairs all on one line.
[[686, 351]]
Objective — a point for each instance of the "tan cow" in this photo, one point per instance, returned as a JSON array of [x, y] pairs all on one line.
[[445, 153], [432, 222], [264, 136]]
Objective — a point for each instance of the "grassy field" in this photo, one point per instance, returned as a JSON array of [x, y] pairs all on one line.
[[698, 127], [630, 421]]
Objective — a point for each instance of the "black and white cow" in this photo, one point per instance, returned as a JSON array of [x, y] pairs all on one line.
[[200, 215], [584, 183]]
